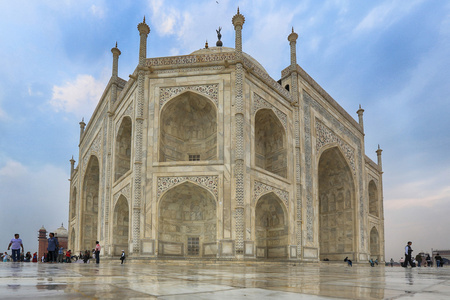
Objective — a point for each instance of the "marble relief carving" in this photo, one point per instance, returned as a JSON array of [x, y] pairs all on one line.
[[209, 182], [262, 188], [210, 90], [325, 136], [125, 191], [259, 102]]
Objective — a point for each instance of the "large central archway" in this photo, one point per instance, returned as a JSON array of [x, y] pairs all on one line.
[[188, 129], [187, 222], [89, 228], [336, 206], [271, 228]]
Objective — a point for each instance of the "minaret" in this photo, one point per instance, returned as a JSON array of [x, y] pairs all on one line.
[[144, 30], [82, 126], [292, 38], [379, 157], [72, 166], [360, 112], [238, 20], [115, 72]]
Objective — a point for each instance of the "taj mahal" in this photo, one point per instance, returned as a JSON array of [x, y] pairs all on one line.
[[205, 156]]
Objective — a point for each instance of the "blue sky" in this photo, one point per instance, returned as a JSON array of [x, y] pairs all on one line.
[[392, 57]]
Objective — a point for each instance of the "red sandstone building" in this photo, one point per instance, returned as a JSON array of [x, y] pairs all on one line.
[[62, 235]]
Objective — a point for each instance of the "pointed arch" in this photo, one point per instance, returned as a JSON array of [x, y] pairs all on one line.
[[121, 224], [270, 143], [90, 204], [271, 226], [187, 221], [336, 197], [374, 244], [73, 203], [122, 153], [188, 129], [373, 199]]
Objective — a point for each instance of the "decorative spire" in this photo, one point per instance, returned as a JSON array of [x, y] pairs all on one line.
[[360, 112], [206, 44], [219, 36], [379, 157], [238, 19]]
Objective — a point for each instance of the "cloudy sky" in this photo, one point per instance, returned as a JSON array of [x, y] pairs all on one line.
[[392, 57]]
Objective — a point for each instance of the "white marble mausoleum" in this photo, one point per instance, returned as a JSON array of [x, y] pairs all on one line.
[[206, 156]]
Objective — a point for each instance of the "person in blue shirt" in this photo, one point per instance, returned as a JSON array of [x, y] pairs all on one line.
[[52, 247]]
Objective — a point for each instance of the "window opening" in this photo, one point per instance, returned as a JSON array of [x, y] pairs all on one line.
[[194, 157], [193, 245]]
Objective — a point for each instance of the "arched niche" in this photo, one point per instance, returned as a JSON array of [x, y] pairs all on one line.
[[72, 241], [270, 143], [122, 159], [90, 206], [188, 130], [336, 206], [374, 244], [121, 223], [271, 227], [373, 199], [73, 203], [187, 222]]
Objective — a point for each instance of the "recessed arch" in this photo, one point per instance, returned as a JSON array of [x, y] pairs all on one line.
[[373, 199], [374, 244], [271, 227], [122, 157], [188, 129], [90, 204], [72, 240], [121, 223], [270, 143], [73, 203], [336, 199], [187, 221]]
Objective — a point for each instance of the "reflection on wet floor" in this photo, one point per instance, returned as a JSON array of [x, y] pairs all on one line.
[[190, 280]]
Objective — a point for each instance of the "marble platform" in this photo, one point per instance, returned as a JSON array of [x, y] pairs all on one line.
[[190, 280]]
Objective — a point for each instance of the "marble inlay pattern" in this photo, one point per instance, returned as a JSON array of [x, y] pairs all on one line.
[[260, 189], [93, 150], [209, 90], [211, 183], [325, 136], [259, 102], [125, 191], [189, 59]]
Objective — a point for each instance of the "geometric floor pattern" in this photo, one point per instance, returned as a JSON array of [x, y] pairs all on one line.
[[191, 280]]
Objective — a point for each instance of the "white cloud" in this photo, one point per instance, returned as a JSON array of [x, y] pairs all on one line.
[[79, 96], [97, 11], [32, 198], [386, 14]]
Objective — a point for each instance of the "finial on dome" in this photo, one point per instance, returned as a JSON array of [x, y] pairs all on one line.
[[219, 36], [116, 44], [292, 29], [206, 44], [144, 18], [238, 10]]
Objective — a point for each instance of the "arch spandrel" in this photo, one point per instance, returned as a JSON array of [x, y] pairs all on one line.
[[211, 183]]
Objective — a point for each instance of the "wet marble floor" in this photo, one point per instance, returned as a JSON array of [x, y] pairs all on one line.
[[172, 280]]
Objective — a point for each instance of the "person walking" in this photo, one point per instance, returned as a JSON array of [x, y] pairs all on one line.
[[52, 247], [97, 252], [392, 262], [419, 259], [122, 257], [408, 255], [15, 245], [438, 259], [61, 255]]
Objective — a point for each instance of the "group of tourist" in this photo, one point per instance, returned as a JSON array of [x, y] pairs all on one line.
[[419, 260]]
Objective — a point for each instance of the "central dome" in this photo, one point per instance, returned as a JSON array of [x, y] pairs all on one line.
[[227, 50]]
